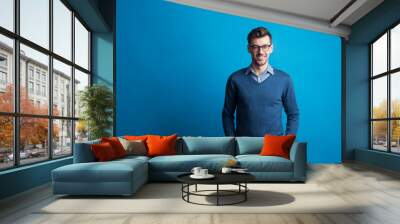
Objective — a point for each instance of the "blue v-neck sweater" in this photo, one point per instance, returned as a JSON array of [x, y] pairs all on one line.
[[258, 106]]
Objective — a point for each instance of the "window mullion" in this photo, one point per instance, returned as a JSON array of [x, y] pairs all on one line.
[[16, 84], [389, 106], [50, 87], [73, 82], [371, 89]]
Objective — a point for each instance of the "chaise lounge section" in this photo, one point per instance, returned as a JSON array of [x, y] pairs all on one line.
[[88, 177]]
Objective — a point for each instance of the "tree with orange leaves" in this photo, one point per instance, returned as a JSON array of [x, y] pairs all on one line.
[[6, 122], [33, 130]]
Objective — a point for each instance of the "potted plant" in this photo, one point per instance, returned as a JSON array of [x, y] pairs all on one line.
[[97, 105]]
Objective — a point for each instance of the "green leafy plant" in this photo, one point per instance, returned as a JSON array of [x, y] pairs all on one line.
[[97, 105]]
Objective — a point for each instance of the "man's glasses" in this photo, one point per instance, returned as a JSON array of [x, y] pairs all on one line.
[[263, 47]]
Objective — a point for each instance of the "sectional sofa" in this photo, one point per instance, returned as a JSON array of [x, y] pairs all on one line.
[[125, 176]]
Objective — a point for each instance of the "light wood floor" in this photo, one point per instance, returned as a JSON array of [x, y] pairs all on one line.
[[378, 188]]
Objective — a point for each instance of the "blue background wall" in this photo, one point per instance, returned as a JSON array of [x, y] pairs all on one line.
[[173, 62], [102, 58], [103, 61], [357, 84]]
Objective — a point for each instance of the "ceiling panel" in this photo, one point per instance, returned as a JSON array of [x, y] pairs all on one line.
[[328, 16], [320, 9]]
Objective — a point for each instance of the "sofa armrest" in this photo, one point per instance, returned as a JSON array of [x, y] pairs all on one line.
[[83, 152], [298, 155]]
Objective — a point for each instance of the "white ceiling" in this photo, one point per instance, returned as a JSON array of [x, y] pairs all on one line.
[[320, 9], [328, 16]]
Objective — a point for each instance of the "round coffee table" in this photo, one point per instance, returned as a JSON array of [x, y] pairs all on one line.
[[238, 179]]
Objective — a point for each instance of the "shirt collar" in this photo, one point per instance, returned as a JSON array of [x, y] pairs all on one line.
[[269, 69]]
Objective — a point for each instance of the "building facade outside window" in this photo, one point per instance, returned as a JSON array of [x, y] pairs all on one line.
[[3, 72], [30, 72], [3, 60], [30, 87], [3, 78]]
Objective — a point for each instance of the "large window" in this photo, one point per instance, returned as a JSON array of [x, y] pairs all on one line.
[[44, 64], [385, 91]]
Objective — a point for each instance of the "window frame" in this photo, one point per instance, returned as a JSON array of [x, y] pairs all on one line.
[[3, 70], [388, 74], [3, 74], [5, 59], [16, 114]]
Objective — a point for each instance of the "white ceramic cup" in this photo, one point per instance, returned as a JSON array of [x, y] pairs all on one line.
[[226, 170], [203, 172], [196, 170]]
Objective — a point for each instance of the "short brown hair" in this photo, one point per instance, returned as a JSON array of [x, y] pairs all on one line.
[[257, 33]]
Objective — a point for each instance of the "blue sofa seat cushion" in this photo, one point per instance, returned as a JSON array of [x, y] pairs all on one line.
[[257, 163], [111, 171], [208, 145], [132, 158], [184, 163]]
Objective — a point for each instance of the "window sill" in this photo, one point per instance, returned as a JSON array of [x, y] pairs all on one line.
[[380, 152], [378, 158], [25, 167]]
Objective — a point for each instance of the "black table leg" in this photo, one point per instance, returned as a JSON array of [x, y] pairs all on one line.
[[182, 189], [245, 193], [217, 194], [188, 189]]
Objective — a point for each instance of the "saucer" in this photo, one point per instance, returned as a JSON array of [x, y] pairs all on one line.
[[208, 176], [240, 171]]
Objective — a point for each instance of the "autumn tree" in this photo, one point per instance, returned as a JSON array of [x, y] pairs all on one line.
[[6, 132], [380, 127], [6, 122], [33, 131], [396, 123], [81, 129]]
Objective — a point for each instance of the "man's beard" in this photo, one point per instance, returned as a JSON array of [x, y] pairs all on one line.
[[260, 62]]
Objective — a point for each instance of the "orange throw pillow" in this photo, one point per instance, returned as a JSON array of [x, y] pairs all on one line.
[[277, 145], [116, 145], [103, 151], [161, 145]]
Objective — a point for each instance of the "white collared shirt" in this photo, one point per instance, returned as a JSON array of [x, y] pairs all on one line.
[[263, 76]]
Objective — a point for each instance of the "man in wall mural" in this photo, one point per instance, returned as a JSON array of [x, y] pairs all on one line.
[[258, 93]]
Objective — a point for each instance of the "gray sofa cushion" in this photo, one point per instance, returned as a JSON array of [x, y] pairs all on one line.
[[257, 163], [185, 163], [208, 145]]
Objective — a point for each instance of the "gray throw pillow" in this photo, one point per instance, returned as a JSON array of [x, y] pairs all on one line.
[[135, 147]]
